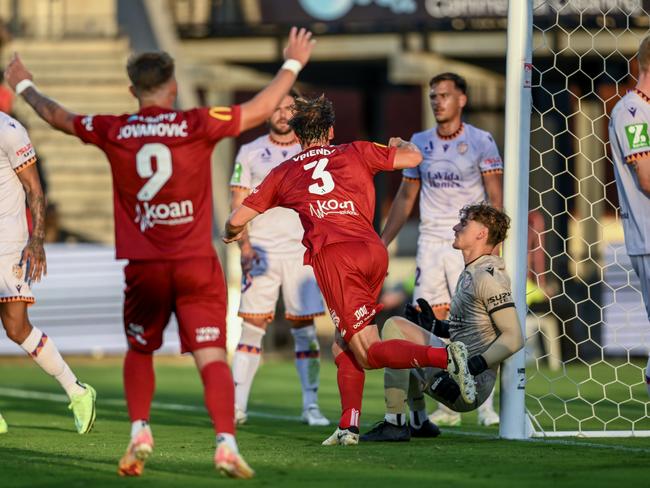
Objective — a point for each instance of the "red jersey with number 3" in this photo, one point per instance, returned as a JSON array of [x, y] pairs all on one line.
[[162, 185], [331, 188]]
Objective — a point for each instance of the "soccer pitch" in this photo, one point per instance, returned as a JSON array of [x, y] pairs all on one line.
[[42, 449]]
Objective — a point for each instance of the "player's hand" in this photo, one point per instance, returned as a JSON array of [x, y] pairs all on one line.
[[424, 317], [396, 142], [299, 45], [33, 258], [248, 259], [234, 238], [16, 72]]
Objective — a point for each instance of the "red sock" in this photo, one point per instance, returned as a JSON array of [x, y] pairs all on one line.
[[401, 354], [139, 384], [219, 392], [350, 378]]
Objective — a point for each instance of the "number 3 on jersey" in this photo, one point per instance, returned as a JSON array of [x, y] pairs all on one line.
[[144, 166], [327, 183]]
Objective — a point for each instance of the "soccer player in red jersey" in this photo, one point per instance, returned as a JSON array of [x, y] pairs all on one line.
[[331, 188], [160, 161]]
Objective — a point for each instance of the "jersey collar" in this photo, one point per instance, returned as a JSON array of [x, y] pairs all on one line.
[[451, 136], [641, 94]]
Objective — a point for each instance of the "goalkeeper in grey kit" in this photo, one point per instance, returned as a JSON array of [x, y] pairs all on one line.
[[482, 316]]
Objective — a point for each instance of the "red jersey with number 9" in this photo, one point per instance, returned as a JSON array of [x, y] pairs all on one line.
[[331, 188], [162, 184]]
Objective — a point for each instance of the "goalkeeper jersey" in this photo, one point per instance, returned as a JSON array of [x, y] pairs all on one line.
[[482, 289], [630, 141]]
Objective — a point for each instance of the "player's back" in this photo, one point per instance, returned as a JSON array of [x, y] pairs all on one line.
[[331, 188], [160, 160]]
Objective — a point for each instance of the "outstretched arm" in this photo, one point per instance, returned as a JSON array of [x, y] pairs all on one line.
[[408, 155], [236, 224], [20, 80], [34, 254], [261, 106]]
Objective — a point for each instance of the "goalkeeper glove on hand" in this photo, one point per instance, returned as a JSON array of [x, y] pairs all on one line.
[[426, 319], [476, 365]]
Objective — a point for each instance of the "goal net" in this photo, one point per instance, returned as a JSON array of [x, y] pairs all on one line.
[[587, 332]]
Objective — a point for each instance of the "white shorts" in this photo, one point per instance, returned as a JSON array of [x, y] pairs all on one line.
[[438, 267], [13, 287], [300, 293]]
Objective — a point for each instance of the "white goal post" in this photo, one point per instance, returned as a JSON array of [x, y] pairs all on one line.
[[568, 62]]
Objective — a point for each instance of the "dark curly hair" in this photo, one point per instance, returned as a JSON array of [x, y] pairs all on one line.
[[494, 219], [312, 119]]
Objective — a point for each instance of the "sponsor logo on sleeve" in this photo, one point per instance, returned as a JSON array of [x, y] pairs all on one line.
[[26, 150], [500, 299], [87, 122], [136, 331], [236, 174], [221, 113], [637, 135]]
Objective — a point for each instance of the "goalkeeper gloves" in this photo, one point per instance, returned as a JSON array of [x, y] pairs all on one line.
[[476, 365], [426, 319]]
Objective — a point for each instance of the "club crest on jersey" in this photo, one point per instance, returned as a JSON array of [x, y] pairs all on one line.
[[17, 271], [462, 147], [174, 213]]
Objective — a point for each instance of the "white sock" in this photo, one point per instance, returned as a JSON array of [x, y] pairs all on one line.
[[417, 418], [398, 419], [137, 425], [230, 441], [245, 362], [307, 363], [43, 351], [647, 376]]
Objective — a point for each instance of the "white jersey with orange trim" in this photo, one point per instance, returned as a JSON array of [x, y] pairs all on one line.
[[16, 154], [630, 141], [278, 230], [451, 176]]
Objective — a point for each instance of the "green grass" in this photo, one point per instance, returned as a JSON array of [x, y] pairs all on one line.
[[41, 448]]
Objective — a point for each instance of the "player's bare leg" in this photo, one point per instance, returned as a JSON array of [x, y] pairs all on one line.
[[45, 353], [219, 394]]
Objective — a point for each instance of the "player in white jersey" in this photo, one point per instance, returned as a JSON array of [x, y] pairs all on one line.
[[272, 257], [461, 166], [22, 262], [482, 316], [630, 145]]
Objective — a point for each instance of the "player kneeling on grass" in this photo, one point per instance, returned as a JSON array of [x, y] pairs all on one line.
[[331, 187], [482, 316], [22, 262]]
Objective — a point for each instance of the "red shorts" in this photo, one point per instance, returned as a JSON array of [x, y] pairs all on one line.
[[194, 289], [350, 275]]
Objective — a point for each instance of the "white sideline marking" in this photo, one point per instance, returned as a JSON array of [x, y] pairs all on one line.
[[177, 407]]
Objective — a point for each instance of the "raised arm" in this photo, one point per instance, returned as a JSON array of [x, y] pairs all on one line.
[[236, 224], [34, 254], [408, 155], [261, 106], [400, 209], [21, 81]]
